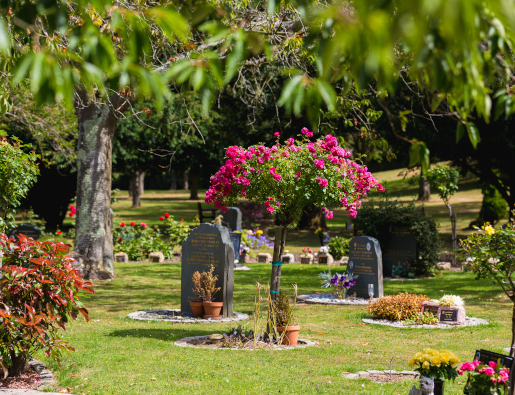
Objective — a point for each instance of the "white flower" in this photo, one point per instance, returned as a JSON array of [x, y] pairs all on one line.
[[451, 300], [1, 253]]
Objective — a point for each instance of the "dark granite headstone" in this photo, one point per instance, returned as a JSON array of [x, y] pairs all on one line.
[[232, 218], [402, 247], [27, 230], [365, 260], [485, 356], [208, 244], [236, 241]]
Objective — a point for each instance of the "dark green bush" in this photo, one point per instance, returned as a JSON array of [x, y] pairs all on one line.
[[338, 247], [376, 217], [493, 207]]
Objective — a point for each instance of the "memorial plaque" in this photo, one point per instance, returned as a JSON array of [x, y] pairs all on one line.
[[120, 258], [305, 261], [401, 247], [448, 315], [27, 230], [236, 241], [154, 259], [365, 260], [322, 260], [286, 259], [232, 218], [262, 259], [208, 245]]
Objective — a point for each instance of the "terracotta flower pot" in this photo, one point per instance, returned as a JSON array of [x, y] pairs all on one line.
[[291, 336], [197, 308], [213, 309]]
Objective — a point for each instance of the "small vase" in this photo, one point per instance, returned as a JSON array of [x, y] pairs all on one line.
[[291, 337], [321, 241], [213, 309], [197, 308], [439, 387]]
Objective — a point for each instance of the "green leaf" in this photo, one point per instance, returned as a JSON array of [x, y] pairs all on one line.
[[288, 89], [460, 132], [170, 22], [473, 134], [328, 94], [5, 42]]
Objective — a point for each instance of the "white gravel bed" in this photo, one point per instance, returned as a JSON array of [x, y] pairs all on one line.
[[469, 321], [330, 299], [185, 342], [176, 317]]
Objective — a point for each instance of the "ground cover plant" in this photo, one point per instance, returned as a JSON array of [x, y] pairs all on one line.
[[115, 355]]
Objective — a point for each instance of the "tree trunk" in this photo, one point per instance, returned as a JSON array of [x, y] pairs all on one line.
[[141, 183], [18, 365], [186, 179], [424, 190], [280, 239], [173, 187], [312, 217], [135, 190], [93, 239], [194, 186]]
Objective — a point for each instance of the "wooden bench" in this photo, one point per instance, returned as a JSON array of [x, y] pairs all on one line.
[[203, 217]]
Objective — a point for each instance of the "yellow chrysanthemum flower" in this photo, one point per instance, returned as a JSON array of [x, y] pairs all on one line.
[[436, 361], [489, 230], [427, 350], [412, 362], [435, 353], [445, 357], [426, 365]]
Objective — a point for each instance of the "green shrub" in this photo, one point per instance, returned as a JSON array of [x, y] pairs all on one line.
[[397, 307], [338, 247], [375, 218], [493, 208], [422, 319]]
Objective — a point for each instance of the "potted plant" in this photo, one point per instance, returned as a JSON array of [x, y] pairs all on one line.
[[197, 306], [340, 282], [491, 379], [287, 324], [208, 290], [438, 365]]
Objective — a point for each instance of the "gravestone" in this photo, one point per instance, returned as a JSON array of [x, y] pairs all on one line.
[[452, 315], [430, 307], [402, 247], [121, 257], [208, 245], [325, 259], [264, 257], [232, 218], [288, 258], [156, 257], [307, 259], [27, 230], [348, 225], [236, 241], [365, 260]]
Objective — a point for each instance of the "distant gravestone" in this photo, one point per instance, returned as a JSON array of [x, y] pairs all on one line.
[[365, 260], [402, 247], [236, 241], [288, 258], [264, 257], [232, 218], [348, 225], [121, 257], [208, 244], [27, 230], [156, 257]]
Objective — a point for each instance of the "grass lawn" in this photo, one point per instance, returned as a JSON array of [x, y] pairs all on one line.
[[115, 355]]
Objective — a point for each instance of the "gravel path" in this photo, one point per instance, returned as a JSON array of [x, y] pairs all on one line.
[[330, 299]]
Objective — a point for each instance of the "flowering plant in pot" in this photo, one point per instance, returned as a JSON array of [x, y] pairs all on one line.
[[287, 177], [340, 282], [438, 365], [485, 379], [205, 288]]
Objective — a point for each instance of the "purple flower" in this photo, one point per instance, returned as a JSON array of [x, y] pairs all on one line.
[[342, 279], [334, 280]]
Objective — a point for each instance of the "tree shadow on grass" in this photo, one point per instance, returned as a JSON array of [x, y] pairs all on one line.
[[167, 334]]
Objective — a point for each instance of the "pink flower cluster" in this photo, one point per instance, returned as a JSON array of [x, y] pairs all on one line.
[[501, 378], [244, 167]]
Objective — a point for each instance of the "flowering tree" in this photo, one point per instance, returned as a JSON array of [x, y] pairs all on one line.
[[493, 257], [286, 178]]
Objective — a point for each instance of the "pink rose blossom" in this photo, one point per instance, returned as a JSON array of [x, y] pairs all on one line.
[[278, 204], [304, 130], [276, 134], [309, 134], [492, 364], [297, 175], [270, 209]]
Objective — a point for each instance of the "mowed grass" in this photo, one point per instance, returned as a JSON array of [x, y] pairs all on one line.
[[116, 355]]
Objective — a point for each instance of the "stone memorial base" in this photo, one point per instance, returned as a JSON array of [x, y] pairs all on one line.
[[121, 257], [205, 342], [383, 376], [330, 299], [264, 257], [157, 257], [175, 316], [307, 259], [238, 266], [288, 258], [325, 259], [469, 321]]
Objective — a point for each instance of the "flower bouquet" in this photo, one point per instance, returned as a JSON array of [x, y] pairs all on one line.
[[340, 282], [491, 379], [438, 365]]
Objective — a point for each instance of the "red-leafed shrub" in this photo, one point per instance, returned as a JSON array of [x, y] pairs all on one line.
[[397, 307], [39, 293]]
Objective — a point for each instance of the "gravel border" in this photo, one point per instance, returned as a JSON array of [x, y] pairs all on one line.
[[330, 299], [184, 342], [469, 321], [367, 373], [144, 315]]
